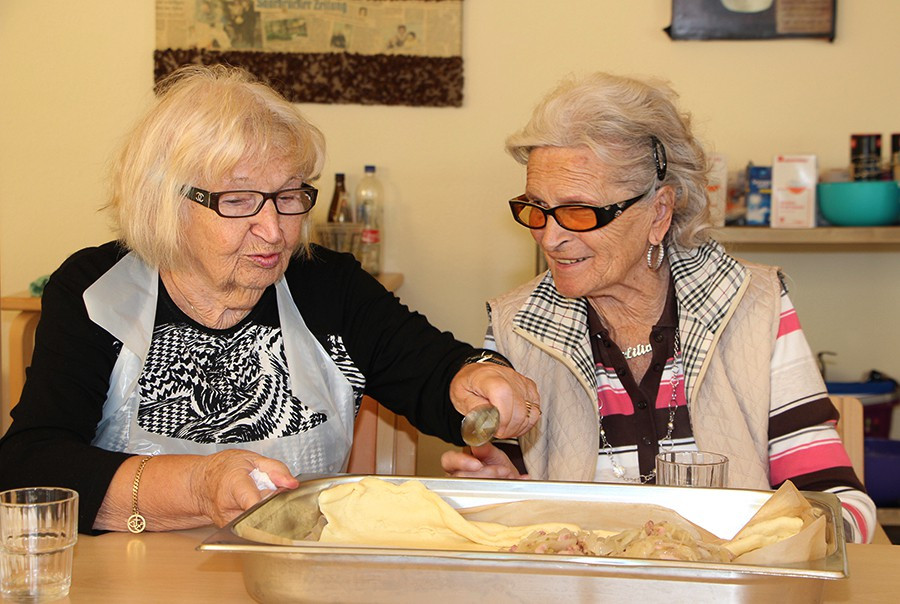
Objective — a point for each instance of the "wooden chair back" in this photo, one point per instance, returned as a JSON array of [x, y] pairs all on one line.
[[383, 442], [850, 428]]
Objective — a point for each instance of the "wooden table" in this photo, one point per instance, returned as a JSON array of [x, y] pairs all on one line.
[[166, 567]]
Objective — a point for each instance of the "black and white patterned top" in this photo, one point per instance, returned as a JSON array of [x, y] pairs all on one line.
[[228, 388]]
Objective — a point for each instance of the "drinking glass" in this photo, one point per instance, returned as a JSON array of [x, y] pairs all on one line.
[[340, 236], [38, 531], [691, 469]]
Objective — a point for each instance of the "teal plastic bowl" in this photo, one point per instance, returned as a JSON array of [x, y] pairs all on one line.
[[860, 203]]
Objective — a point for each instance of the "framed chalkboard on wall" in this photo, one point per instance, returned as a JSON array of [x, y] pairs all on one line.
[[752, 19]]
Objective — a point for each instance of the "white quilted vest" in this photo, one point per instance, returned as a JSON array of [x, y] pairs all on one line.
[[728, 402]]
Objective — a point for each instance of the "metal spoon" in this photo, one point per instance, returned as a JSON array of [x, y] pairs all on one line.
[[480, 425]]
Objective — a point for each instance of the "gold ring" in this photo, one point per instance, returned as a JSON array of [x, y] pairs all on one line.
[[528, 409]]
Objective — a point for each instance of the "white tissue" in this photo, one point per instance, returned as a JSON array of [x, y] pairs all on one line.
[[262, 480]]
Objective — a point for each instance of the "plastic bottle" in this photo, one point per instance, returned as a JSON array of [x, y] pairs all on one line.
[[340, 209], [369, 200]]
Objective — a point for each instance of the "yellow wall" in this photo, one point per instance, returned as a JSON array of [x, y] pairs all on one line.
[[76, 74]]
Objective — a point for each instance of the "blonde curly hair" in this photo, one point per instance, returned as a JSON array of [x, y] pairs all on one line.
[[206, 120]]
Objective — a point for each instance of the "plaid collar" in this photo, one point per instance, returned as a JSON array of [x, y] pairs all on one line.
[[560, 324], [707, 284]]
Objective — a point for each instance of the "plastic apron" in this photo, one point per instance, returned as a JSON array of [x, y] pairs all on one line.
[[123, 301]]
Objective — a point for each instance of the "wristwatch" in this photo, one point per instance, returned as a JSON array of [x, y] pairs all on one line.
[[488, 356]]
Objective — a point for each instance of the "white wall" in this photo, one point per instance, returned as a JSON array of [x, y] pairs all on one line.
[[74, 75]]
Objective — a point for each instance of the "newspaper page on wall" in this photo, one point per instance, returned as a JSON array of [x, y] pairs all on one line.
[[371, 52]]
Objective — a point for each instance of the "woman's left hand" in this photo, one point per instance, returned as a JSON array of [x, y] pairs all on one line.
[[514, 395], [484, 461]]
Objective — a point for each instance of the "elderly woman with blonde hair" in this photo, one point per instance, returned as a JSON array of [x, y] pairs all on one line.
[[644, 335], [211, 354]]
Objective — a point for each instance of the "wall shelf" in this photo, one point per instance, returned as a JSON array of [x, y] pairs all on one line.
[[817, 236]]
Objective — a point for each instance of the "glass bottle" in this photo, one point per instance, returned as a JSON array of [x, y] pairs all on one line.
[[369, 200], [865, 156], [340, 209]]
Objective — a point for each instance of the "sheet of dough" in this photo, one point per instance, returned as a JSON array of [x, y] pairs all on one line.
[[807, 543], [375, 512]]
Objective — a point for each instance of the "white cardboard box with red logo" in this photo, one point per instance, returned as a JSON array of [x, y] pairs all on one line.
[[794, 179], [717, 188]]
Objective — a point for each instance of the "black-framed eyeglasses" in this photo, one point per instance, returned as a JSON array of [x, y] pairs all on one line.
[[245, 203], [577, 217]]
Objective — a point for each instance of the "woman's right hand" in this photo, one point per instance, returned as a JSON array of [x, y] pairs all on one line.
[[223, 487], [486, 461]]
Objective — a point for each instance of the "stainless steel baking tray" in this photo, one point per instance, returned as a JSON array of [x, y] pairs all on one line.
[[319, 572]]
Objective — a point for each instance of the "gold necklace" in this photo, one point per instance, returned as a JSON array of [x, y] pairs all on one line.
[[196, 315]]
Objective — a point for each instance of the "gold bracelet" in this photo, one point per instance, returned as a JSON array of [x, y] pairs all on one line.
[[488, 356], [136, 522]]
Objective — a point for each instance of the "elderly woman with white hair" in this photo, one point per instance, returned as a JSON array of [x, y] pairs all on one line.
[[645, 335], [211, 353]]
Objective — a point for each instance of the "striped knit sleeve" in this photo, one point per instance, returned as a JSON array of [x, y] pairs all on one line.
[[804, 446], [489, 342]]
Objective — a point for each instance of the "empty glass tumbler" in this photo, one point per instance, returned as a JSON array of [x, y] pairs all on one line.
[[38, 531], [691, 469]]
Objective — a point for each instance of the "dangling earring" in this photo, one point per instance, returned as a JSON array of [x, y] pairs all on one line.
[[654, 266]]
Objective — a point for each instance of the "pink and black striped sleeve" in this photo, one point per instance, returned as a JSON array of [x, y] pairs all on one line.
[[804, 446]]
